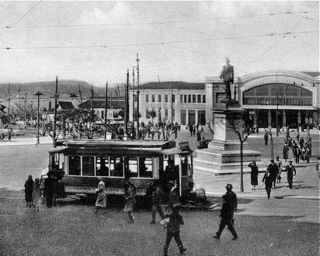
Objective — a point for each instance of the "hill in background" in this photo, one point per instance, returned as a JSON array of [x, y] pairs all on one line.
[[65, 88]]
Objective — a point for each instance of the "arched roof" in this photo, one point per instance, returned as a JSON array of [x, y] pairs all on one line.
[[279, 76]]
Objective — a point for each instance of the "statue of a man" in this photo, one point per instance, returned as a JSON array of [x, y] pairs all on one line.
[[227, 76]]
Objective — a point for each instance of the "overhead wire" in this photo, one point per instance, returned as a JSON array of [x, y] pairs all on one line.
[[152, 22], [288, 33]]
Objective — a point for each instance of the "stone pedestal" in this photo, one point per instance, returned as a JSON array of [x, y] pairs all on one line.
[[223, 153]]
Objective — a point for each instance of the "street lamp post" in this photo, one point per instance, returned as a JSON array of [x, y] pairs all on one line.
[[38, 94]]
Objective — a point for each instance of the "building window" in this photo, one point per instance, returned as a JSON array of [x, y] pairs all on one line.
[[203, 98], [194, 99], [152, 98], [189, 98], [159, 98], [102, 114], [166, 98], [173, 114], [181, 98], [147, 98], [185, 98], [183, 117], [199, 98], [173, 98], [166, 114]]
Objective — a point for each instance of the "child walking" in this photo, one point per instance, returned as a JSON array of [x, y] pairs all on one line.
[[36, 195], [173, 230], [130, 198], [101, 202]]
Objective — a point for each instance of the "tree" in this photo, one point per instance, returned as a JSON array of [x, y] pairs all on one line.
[[243, 128], [152, 113]]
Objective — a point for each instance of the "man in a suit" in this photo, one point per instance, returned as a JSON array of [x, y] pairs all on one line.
[[229, 206], [227, 75]]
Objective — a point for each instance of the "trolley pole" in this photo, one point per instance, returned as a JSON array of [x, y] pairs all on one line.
[[105, 112], [126, 105], [133, 83], [138, 92], [38, 119], [56, 96]]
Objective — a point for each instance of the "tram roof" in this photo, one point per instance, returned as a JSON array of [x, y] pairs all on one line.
[[132, 147], [121, 143]]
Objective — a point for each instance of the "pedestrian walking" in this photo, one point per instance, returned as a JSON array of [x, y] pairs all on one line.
[[229, 206], [273, 169], [36, 195], [49, 189], [254, 174], [268, 180], [28, 187], [157, 197], [173, 195], [130, 198], [266, 137], [173, 230], [101, 201], [291, 171], [279, 164], [285, 151]]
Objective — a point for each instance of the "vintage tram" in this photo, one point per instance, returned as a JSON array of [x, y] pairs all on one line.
[[84, 163]]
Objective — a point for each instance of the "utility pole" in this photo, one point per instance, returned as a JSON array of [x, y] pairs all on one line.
[[138, 92], [277, 115], [126, 105], [38, 119], [25, 111], [91, 114], [9, 99], [56, 96], [105, 112], [19, 90], [133, 99], [171, 105]]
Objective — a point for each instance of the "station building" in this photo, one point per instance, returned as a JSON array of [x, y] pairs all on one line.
[[179, 102], [296, 96]]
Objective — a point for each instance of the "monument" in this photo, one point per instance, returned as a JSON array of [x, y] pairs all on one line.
[[223, 153]]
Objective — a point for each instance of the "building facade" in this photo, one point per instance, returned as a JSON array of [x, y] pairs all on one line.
[[179, 102], [288, 97]]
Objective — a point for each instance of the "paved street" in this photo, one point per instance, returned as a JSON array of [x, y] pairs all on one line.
[[72, 229]]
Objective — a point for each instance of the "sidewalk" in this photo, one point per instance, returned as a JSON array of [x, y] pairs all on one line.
[[19, 141], [305, 185]]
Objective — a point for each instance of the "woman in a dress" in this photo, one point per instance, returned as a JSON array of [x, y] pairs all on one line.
[[254, 174]]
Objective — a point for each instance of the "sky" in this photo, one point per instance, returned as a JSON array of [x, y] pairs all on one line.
[[188, 41]]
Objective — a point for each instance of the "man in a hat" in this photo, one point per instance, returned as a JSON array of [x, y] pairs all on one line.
[[291, 171], [173, 195], [157, 198], [229, 206]]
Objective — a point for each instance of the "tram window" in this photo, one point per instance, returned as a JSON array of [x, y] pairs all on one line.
[[102, 166], [145, 167], [133, 167], [87, 166], [184, 166], [74, 165], [116, 167]]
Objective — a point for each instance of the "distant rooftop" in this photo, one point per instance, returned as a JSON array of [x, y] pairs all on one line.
[[173, 85], [66, 105], [100, 103]]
